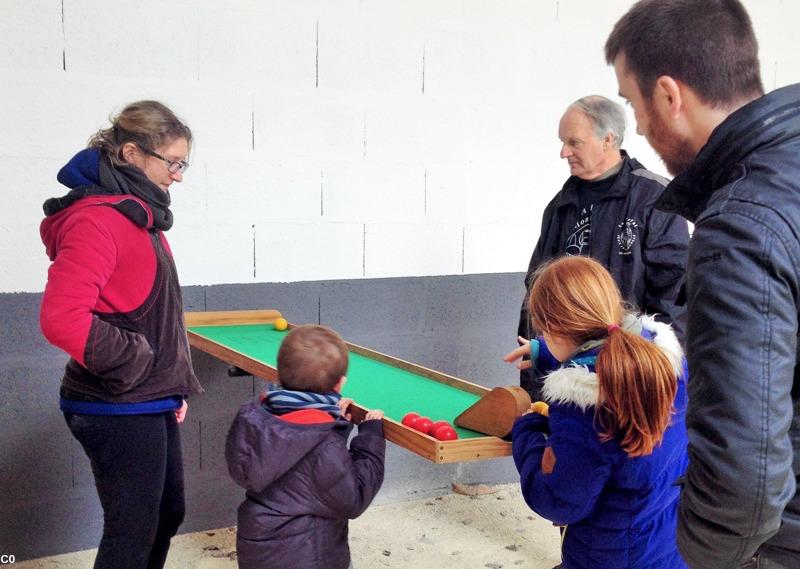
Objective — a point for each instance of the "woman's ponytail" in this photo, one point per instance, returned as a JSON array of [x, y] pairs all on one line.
[[147, 124]]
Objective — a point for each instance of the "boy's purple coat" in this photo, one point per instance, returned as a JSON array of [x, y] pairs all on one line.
[[303, 485]]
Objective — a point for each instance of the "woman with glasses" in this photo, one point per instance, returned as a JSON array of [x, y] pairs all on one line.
[[113, 303]]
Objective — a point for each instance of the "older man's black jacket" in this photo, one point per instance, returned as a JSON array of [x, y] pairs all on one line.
[[743, 306], [643, 248]]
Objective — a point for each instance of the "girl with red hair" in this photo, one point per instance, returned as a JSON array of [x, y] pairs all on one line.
[[607, 458]]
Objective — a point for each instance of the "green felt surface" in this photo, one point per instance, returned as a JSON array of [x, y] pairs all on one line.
[[372, 384]]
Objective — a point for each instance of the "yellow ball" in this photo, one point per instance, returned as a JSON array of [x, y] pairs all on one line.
[[281, 324], [540, 407]]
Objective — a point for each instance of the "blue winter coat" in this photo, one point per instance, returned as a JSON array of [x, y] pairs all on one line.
[[621, 512]]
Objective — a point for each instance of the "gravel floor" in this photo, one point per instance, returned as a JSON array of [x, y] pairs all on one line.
[[492, 530]]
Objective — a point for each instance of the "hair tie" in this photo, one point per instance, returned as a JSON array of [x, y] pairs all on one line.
[[612, 328]]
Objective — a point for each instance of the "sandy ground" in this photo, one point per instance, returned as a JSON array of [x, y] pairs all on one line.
[[494, 530]]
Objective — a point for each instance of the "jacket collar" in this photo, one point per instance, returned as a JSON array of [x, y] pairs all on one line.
[[620, 188], [578, 384], [131, 207], [767, 121]]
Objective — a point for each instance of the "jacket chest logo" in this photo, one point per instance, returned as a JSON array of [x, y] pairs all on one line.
[[627, 234]]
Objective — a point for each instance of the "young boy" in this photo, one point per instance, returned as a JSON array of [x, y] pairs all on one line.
[[290, 453]]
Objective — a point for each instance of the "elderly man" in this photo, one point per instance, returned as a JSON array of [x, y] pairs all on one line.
[[696, 91], [605, 211]]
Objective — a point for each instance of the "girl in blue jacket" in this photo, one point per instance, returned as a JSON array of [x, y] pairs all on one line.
[[606, 458]]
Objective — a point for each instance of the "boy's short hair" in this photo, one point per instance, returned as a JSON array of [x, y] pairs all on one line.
[[312, 358]]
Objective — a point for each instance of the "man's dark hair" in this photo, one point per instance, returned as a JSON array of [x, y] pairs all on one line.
[[709, 45], [312, 358]]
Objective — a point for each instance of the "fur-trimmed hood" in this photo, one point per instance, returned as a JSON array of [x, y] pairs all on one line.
[[578, 384]]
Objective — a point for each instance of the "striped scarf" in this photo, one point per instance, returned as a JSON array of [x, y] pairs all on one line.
[[283, 401]]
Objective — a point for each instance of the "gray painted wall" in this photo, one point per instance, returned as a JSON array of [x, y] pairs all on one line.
[[460, 325]]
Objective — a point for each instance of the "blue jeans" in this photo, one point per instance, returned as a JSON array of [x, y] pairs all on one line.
[[138, 470]]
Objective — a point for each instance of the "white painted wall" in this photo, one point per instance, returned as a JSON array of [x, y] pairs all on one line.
[[334, 139]]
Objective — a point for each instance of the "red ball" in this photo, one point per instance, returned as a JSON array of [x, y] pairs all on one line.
[[445, 433], [423, 425], [437, 424], [410, 419]]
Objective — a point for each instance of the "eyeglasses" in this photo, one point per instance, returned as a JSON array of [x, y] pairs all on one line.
[[173, 167]]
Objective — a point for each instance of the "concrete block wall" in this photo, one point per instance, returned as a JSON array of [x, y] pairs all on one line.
[[323, 116], [380, 167], [365, 112]]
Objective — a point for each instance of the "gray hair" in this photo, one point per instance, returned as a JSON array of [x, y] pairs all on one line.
[[606, 116]]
